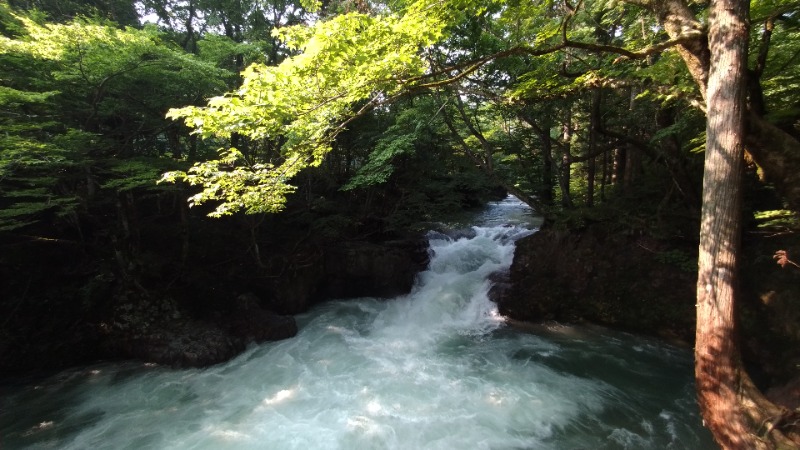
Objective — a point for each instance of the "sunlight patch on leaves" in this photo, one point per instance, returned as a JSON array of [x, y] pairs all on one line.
[[343, 63]]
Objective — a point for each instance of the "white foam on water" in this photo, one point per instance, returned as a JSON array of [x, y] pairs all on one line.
[[434, 369]]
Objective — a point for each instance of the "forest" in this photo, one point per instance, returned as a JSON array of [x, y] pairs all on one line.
[[180, 177]]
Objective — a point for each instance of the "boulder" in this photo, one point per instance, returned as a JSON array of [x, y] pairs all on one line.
[[156, 331], [635, 283], [184, 343], [366, 269], [346, 269], [249, 323]]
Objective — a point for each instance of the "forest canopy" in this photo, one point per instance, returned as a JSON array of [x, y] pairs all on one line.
[[348, 113], [562, 104]]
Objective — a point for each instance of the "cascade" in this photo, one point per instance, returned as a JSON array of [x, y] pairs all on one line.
[[437, 368]]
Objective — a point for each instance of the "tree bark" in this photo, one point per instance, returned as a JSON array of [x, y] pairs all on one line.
[[718, 367], [733, 408], [565, 168], [545, 192], [591, 163]]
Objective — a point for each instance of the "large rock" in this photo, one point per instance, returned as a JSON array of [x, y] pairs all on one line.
[[647, 285], [347, 269], [629, 282], [187, 316], [365, 269], [161, 331], [250, 323], [155, 330], [180, 343]]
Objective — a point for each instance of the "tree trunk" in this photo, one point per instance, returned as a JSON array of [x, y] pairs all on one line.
[[192, 156], [718, 368], [620, 168], [733, 408], [591, 164], [546, 191], [633, 167], [604, 176], [774, 150], [565, 167]]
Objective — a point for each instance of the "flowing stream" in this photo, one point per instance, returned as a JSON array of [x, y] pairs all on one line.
[[435, 369]]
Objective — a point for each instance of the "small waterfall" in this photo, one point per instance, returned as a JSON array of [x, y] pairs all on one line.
[[434, 369]]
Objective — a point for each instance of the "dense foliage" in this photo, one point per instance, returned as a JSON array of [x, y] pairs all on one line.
[[301, 121], [563, 106]]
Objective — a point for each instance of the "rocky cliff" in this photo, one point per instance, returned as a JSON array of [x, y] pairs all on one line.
[[647, 285]]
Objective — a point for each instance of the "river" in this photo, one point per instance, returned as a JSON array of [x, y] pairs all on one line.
[[435, 369]]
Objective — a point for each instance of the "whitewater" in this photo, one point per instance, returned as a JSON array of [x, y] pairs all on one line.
[[437, 368]]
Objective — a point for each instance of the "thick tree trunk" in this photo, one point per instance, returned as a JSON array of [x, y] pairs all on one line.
[[718, 368], [733, 408]]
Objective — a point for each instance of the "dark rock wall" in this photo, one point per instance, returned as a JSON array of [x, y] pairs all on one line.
[[345, 269], [195, 315], [361, 269], [628, 282], [647, 285], [769, 310]]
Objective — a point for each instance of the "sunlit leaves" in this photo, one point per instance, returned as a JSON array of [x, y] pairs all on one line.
[[10, 97], [304, 102], [239, 186], [77, 101], [93, 54], [398, 140], [348, 63], [134, 173]]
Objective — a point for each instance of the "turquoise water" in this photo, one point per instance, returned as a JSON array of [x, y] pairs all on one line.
[[435, 369]]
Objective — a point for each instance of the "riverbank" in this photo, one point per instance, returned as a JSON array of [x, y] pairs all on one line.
[[436, 369], [646, 285]]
